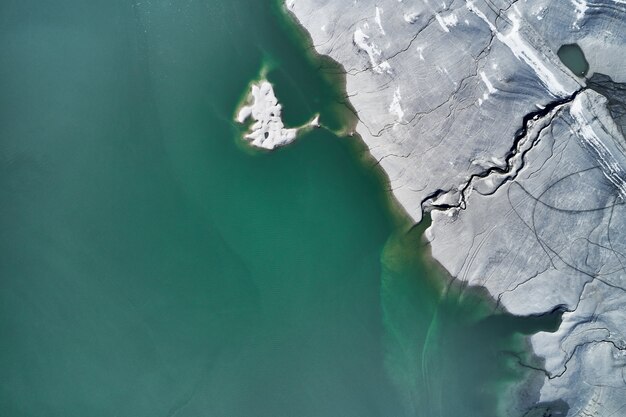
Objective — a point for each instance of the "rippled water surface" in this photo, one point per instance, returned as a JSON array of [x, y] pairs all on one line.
[[153, 266]]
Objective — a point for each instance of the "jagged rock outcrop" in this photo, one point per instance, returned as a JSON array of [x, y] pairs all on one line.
[[268, 130], [472, 115]]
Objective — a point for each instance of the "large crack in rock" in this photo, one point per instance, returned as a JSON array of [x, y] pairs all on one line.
[[552, 238], [493, 177], [474, 117]]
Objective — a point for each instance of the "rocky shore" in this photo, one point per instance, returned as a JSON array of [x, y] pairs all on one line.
[[468, 109]]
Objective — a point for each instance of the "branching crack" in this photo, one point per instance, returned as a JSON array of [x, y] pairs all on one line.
[[514, 158]]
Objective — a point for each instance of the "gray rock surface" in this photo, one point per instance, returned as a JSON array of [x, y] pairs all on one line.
[[616, 95], [469, 111]]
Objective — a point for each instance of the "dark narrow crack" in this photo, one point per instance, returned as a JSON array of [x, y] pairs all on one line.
[[510, 170]]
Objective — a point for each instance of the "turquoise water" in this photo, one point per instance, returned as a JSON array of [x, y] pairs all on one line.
[[448, 352], [153, 266], [573, 58]]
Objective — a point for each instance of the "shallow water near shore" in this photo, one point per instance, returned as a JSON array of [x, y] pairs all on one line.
[[152, 267]]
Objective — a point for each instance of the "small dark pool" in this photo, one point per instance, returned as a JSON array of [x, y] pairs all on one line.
[[573, 58]]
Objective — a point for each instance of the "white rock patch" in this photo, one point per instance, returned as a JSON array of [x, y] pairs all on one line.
[[490, 88], [379, 20], [395, 107], [447, 21], [420, 51], [514, 40], [315, 122], [581, 8], [268, 130], [411, 17], [361, 40], [591, 128]]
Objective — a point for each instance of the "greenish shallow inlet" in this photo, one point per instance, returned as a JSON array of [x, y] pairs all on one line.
[[150, 267]]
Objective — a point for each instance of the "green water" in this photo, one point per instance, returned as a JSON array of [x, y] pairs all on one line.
[[152, 266], [573, 58]]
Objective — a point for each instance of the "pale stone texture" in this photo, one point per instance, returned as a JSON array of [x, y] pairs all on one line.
[[472, 115], [268, 130]]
